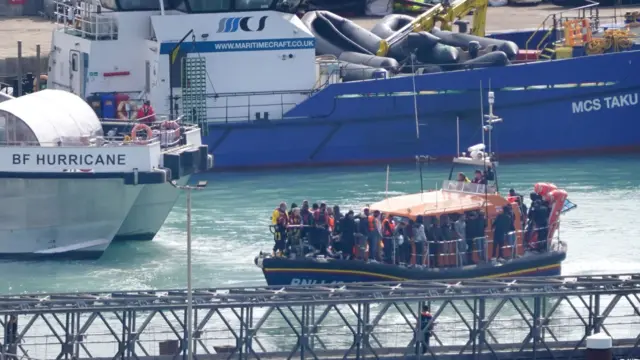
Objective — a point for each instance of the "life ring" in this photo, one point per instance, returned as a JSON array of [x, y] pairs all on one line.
[[171, 125], [142, 127], [121, 113]]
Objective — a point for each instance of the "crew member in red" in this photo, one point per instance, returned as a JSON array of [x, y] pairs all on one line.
[[388, 229], [279, 220], [294, 227], [321, 223], [146, 114]]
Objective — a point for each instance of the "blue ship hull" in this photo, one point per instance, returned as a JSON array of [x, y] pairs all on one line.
[[580, 105]]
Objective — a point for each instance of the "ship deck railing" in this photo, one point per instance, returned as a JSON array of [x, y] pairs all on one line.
[[453, 253], [468, 187], [553, 25], [119, 138], [169, 139], [85, 20]]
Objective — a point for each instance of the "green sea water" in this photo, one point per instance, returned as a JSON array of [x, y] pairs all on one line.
[[231, 217]]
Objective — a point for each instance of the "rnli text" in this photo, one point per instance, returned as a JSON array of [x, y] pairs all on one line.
[[69, 159], [296, 281], [610, 102]]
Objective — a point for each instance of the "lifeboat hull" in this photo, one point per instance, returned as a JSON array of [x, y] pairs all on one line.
[[282, 271]]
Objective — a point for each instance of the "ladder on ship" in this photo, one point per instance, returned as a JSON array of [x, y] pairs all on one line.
[[194, 92]]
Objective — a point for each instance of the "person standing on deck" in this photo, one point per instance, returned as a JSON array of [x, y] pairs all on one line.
[[375, 235], [420, 238], [347, 235], [280, 219], [460, 227], [321, 231], [146, 114], [388, 229], [502, 225]]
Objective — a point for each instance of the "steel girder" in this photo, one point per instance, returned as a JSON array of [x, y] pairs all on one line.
[[507, 318]]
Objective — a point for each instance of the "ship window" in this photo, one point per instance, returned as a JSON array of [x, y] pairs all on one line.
[[3, 130], [74, 62], [209, 5], [253, 4], [17, 132], [135, 5]]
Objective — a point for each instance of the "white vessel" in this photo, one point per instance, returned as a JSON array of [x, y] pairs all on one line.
[[150, 210], [66, 188], [91, 60]]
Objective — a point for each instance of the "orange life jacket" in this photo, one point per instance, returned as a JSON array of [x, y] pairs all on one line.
[[388, 227], [372, 224], [332, 223]]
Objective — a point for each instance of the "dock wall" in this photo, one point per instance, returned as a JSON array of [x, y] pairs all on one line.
[[544, 318], [9, 66]]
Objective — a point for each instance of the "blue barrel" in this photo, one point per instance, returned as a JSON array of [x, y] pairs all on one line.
[[108, 106], [380, 74], [96, 104]]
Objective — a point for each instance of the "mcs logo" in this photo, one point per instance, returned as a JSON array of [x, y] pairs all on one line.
[[231, 24]]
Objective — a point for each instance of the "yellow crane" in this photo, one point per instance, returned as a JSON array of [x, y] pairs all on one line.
[[446, 15]]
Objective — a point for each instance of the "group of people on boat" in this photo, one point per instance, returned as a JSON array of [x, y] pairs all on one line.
[[373, 236]]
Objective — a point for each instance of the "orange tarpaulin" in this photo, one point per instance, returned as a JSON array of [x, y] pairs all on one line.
[[436, 203]]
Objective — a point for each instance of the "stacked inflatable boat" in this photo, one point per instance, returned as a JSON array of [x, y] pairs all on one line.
[[419, 52]]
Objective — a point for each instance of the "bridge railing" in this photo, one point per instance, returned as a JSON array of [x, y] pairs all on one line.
[[84, 19], [513, 318]]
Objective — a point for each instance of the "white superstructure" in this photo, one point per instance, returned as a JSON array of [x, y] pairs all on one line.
[[243, 51], [67, 189]]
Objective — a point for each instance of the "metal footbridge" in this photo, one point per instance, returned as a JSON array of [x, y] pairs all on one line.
[[534, 318]]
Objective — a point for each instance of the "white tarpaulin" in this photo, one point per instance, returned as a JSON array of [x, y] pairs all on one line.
[[53, 115]]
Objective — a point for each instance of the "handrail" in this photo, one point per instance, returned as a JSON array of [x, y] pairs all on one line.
[[591, 4], [448, 249], [82, 16]]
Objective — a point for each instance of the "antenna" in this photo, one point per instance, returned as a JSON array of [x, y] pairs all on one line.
[[458, 135], [386, 189], [491, 118], [415, 97], [481, 112], [420, 168]]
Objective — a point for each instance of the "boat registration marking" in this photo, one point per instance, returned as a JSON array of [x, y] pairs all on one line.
[[609, 102]]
